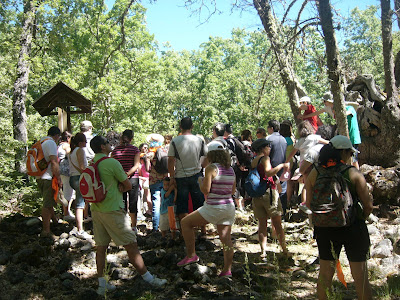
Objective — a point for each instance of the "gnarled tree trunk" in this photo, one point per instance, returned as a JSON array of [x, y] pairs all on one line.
[[335, 73], [292, 84], [21, 85]]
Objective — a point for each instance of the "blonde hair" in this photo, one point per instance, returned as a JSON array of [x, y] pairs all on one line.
[[219, 156]]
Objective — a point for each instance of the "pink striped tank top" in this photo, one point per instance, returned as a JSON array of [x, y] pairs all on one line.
[[221, 186]]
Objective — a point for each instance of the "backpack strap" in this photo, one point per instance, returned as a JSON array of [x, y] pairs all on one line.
[[175, 150], [100, 160]]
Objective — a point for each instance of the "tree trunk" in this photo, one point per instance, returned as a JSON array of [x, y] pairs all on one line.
[[335, 73], [21, 86], [391, 110], [293, 86]]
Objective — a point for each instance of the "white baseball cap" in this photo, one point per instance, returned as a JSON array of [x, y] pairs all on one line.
[[342, 142], [214, 145], [305, 99]]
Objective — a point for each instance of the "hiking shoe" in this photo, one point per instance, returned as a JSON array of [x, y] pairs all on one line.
[[69, 218], [157, 282], [305, 209], [187, 261], [83, 235], [87, 219], [101, 290], [227, 274]]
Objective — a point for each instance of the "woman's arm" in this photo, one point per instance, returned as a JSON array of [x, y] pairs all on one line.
[[210, 174], [234, 187], [136, 165], [323, 141], [269, 171], [357, 178], [291, 155], [80, 157]]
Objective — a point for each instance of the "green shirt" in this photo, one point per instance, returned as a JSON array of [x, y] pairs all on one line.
[[111, 173], [352, 124]]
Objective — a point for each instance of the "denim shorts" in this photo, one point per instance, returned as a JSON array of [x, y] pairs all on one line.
[[74, 183]]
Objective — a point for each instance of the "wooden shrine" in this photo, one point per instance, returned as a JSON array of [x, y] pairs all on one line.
[[63, 101]]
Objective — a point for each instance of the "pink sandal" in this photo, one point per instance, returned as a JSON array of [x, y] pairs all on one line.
[[225, 274], [187, 261]]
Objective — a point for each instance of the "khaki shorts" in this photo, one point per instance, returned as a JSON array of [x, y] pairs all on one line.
[[46, 192], [263, 208], [112, 225]]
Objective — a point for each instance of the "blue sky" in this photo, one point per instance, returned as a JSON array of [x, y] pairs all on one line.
[[171, 22]]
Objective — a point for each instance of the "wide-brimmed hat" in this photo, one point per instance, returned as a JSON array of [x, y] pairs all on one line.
[[259, 144], [342, 142], [155, 137]]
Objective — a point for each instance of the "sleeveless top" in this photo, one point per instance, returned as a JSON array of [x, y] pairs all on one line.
[[74, 160], [221, 186]]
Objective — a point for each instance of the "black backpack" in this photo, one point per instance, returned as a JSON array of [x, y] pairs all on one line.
[[161, 165], [332, 203], [243, 153]]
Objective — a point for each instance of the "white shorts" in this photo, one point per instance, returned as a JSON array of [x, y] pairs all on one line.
[[164, 223], [218, 214]]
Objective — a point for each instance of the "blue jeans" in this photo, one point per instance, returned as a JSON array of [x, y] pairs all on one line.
[[155, 190], [185, 186]]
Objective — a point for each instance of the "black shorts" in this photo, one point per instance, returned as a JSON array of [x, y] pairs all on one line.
[[354, 238]]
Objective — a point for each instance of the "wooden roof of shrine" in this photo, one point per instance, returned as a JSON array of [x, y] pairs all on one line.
[[62, 96]]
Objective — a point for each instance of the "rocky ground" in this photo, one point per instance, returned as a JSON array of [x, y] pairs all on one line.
[[40, 268]]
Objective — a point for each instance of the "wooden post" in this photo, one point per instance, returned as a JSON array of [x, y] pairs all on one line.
[[62, 119]]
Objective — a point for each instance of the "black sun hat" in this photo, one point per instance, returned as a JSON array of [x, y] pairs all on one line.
[[259, 144]]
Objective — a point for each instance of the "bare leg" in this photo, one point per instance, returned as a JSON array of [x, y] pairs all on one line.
[[133, 219], [101, 260], [262, 235], [277, 222], [79, 218], [187, 227], [224, 232], [326, 272], [135, 258], [86, 210], [359, 271], [47, 213]]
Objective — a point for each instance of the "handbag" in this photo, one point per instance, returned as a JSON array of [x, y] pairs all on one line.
[[64, 167]]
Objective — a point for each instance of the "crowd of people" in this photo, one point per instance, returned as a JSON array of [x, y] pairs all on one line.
[[185, 182]]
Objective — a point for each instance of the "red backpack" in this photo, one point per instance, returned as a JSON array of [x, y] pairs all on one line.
[[90, 185]]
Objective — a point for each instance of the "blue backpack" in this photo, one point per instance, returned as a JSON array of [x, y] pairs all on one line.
[[254, 185]]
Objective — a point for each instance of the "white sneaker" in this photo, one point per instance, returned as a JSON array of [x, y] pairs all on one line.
[[83, 235], [157, 282], [101, 290]]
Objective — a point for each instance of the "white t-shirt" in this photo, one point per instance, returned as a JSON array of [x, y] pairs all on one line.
[[313, 154], [88, 151], [189, 148], [49, 148], [305, 144], [329, 110]]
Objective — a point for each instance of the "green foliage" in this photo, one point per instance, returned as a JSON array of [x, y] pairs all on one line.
[[108, 55], [362, 53]]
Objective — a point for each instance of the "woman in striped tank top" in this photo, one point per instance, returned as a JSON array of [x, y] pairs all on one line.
[[218, 185]]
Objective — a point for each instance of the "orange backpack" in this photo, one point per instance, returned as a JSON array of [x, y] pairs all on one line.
[[36, 163]]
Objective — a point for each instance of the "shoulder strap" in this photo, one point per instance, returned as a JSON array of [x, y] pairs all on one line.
[[100, 160], [175, 150]]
